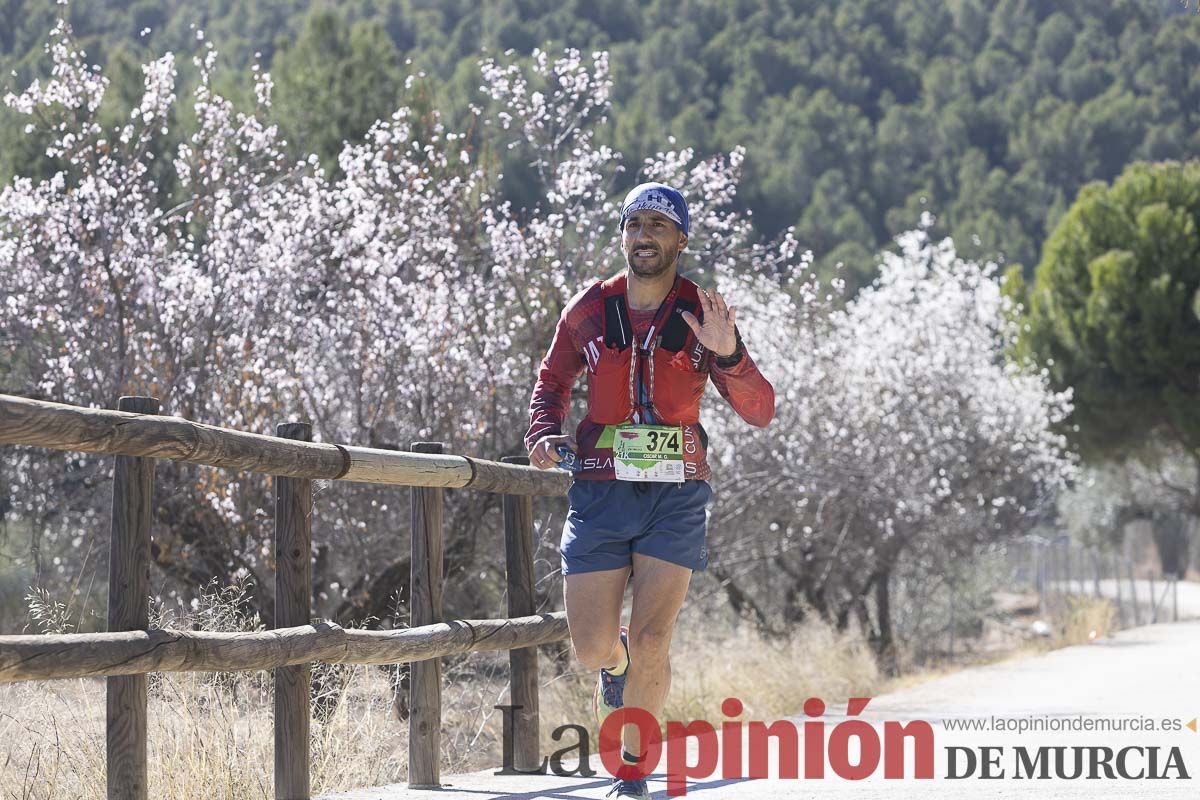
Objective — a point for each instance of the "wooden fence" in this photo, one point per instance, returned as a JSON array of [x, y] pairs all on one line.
[[137, 436], [1059, 569]]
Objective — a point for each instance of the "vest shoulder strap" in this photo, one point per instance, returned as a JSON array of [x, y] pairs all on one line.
[[675, 330], [617, 328]]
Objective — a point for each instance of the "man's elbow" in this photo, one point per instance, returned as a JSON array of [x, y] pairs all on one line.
[[761, 416], [762, 420]]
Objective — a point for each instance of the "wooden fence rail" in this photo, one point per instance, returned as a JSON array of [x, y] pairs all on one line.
[[97, 655], [138, 435], [56, 426]]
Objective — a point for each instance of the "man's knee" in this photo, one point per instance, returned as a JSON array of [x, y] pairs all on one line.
[[595, 652], [650, 642]]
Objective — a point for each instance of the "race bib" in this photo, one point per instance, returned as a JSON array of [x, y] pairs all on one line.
[[648, 453]]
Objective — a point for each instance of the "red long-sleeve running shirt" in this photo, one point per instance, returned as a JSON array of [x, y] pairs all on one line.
[[578, 346]]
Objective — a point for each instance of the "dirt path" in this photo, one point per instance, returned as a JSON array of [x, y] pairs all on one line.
[[1151, 673]]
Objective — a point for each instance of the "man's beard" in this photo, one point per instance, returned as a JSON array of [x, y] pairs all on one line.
[[653, 268]]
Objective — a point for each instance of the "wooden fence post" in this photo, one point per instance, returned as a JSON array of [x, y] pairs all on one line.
[[1122, 615], [1137, 612], [129, 610], [1053, 586], [1067, 566], [1039, 552], [523, 663], [425, 606], [293, 607]]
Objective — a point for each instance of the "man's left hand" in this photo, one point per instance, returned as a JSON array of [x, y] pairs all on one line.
[[717, 333]]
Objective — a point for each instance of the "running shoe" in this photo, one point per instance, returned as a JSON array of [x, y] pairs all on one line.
[[626, 787], [610, 689]]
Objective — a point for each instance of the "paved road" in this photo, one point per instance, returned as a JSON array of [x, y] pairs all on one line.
[[1149, 672]]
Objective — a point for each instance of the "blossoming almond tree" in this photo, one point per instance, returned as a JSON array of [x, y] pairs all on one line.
[[116, 289], [902, 432], [400, 302], [406, 300]]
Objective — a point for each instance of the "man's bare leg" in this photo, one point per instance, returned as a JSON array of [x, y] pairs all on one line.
[[593, 601], [659, 589]]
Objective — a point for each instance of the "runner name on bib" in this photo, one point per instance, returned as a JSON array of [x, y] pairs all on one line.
[[648, 453]]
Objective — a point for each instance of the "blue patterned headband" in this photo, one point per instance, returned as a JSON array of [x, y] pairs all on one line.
[[656, 197]]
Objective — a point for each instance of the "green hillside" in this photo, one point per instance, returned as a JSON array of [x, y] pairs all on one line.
[[856, 116]]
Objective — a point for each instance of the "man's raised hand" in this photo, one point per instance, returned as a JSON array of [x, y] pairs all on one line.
[[717, 332]]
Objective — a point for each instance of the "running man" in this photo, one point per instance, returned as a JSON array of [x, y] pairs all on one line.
[[650, 340]]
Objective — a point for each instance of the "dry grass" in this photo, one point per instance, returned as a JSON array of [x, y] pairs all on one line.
[[1081, 619], [211, 735], [772, 679], [1073, 620], [713, 661]]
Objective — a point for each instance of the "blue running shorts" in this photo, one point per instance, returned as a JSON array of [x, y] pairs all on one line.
[[610, 520]]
